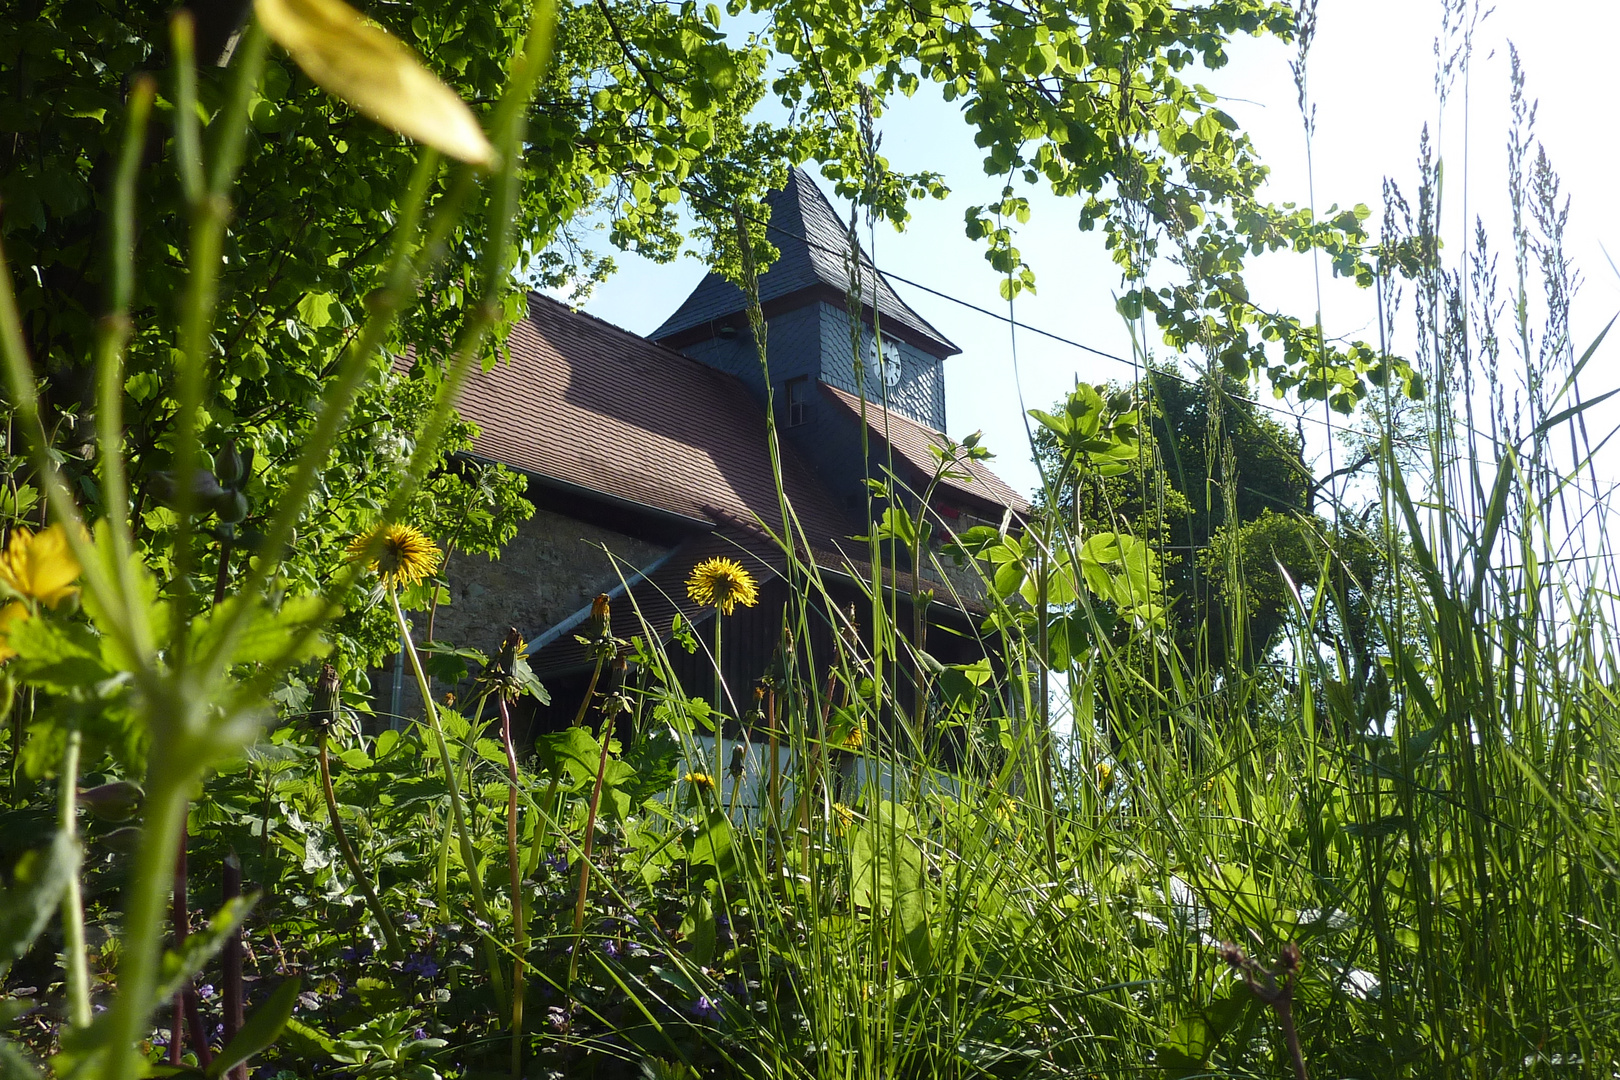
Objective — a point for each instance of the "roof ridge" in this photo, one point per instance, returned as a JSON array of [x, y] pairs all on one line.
[[697, 366]]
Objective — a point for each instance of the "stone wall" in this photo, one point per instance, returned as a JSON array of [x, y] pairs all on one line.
[[553, 567]]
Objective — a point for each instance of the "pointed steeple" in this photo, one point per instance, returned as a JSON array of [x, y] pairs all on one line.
[[812, 267]]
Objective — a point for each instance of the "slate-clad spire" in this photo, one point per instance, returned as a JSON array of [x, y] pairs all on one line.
[[812, 266]]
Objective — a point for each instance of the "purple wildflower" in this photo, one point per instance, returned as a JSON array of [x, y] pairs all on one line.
[[704, 1009], [423, 964]]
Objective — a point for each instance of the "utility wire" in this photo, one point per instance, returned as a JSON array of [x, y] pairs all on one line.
[[1492, 440]]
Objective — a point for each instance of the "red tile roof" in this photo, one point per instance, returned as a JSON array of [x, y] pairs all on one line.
[[912, 442], [587, 403]]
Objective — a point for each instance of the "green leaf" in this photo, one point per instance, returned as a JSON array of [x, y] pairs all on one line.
[[315, 309], [887, 873], [375, 72], [267, 633], [309, 1041], [38, 882], [200, 947], [259, 1030], [13, 1066], [60, 657], [573, 750], [711, 846], [698, 929]]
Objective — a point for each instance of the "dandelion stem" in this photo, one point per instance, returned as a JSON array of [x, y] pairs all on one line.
[[373, 901], [588, 842], [458, 811], [231, 963], [520, 920]]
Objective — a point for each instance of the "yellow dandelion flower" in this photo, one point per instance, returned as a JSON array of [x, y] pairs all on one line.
[[1105, 776], [16, 611], [856, 736], [404, 555], [846, 816], [40, 566], [722, 584], [699, 780]]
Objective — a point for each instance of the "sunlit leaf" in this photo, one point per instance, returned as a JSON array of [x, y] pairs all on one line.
[[376, 73]]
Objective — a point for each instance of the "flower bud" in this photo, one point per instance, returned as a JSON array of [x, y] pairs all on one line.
[[229, 466], [116, 801]]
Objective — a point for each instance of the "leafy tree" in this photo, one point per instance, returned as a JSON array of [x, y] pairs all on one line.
[[1222, 491], [309, 236], [646, 106]]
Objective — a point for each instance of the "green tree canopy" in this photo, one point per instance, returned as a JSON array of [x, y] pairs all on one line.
[[1222, 491], [648, 106]]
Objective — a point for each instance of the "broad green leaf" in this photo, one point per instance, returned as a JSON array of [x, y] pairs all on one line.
[[711, 845], [698, 929], [376, 73], [886, 873], [201, 946], [259, 1030], [572, 749]]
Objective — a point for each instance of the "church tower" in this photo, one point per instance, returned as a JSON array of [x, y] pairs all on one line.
[[805, 297]]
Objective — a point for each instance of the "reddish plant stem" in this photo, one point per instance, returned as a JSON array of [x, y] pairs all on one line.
[[231, 959], [1285, 1020], [187, 1013], [589, 841]]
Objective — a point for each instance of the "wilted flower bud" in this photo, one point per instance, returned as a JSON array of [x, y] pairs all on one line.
[[230, 507], [204, 487], [229, 465], [328, 700], [601, 623], [116, 801]]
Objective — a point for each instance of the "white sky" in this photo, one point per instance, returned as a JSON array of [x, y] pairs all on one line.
[[1372, 78]]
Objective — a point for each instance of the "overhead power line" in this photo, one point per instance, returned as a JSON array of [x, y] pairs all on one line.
[[1135, 366]]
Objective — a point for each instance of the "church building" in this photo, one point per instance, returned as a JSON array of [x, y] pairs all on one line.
[[647, 455]]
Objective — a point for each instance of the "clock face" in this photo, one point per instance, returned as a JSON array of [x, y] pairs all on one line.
[[888, 368]]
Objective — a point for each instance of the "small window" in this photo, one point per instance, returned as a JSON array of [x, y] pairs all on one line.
[[798, 400]]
